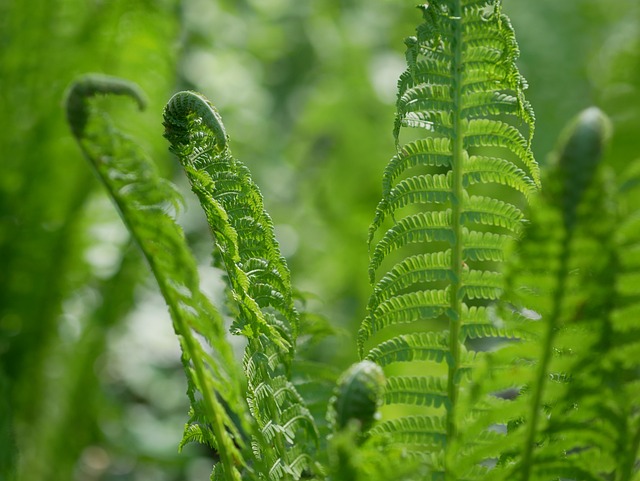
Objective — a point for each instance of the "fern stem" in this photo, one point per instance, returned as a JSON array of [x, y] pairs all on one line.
[[543, 365], [457, 254], [629, 461], [211, 403]]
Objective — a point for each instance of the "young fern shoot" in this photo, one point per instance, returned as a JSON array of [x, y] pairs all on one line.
[[141, 197], [578, 408], [259, 282], [435, 269]]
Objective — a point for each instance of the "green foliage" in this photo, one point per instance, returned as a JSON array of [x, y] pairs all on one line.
[[501, 340], [578, 409]]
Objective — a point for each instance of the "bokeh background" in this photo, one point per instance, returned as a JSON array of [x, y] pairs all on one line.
[[91, 387]]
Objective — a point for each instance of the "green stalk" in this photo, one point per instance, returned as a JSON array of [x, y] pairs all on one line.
[[543, 365], [211, 402], [629, 461], [456, 215], [212, 405]]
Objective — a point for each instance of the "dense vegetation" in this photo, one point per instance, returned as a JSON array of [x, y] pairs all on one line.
[[503, 359]]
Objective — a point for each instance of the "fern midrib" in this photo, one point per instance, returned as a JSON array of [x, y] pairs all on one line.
[[543, 365], [212, 404], [456, 215]]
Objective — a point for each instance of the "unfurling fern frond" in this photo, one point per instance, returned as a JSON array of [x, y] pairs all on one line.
[[142, 198], [243, 231], [579, 411], [438, 235], [258, 280], [357, 397]]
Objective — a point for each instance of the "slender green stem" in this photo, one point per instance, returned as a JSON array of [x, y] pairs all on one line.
[[543, 366], [212, 406], [456, 215], [627, 465]]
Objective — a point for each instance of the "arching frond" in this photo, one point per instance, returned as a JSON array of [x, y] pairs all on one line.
[[142, 198]]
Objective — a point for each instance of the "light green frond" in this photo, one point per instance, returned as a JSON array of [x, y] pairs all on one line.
[[416, 431], [419, 228], [482, 284], [258, 279], [492, 212], [420, 346], [417, 391], [484, 246], [431, 152], [422, 189], [409, 307], [234, 208], [496, 133], [493, 170], [462, 90], [414, 270]]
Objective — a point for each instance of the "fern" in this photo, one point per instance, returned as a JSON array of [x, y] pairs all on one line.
[[463, 92], [579, 410], [479, 349], [143, 199], [258, 279]]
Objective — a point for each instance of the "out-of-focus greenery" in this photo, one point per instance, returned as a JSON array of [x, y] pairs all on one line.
[[90, 381]]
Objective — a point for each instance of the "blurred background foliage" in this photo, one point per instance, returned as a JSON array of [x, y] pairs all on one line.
[[91, 387]]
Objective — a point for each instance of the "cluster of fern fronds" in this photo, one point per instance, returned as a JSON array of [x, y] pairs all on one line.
[[502, 340]]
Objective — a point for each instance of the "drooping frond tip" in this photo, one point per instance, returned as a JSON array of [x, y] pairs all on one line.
[[243, 231], [93, 84], [185, 104], [217, 410]]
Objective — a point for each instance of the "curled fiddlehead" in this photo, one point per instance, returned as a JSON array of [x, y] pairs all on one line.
[[90, 85], [357, 397], [185, 103]]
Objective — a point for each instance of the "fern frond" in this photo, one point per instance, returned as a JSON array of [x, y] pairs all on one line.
[[419, 346], [464, 92], [142, 198], [418, 391], [259, 282], [242, 229], [576, 415], [421, 432]]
